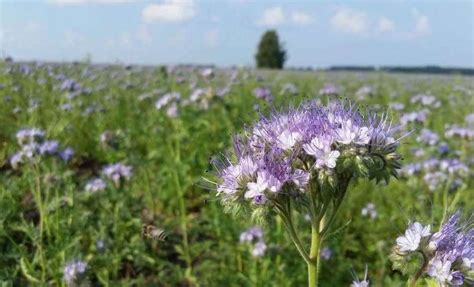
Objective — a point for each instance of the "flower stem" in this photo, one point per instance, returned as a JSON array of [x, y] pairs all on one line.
[[313, 265], [419, 273]]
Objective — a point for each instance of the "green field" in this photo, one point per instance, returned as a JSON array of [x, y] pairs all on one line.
[[107, 114]]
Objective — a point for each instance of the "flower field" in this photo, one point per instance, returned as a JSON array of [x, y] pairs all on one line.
[[115, 175]]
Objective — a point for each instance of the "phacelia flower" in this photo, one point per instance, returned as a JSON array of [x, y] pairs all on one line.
[[413, 235], [448, 254], [282, 153], [369, 210], [74, 272], [95, 185], [117, 172]]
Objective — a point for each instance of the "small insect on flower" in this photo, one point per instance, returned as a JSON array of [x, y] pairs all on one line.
[[152, 232]]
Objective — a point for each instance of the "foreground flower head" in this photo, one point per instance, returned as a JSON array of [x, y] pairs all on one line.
[[325, 145]]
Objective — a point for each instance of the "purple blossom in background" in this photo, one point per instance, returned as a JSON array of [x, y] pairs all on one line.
[[397, 106], [29, 135], [70, 85], [364, 91], [172, 111], [259, 249], [426, 100], [469, 119], [428, 137], [49, 147], [329, 89], [326, 253], [263, 93], [459, 132], [74, 272], [443, 148], [414, 117], [289, 89], [167, 99], [66, 154], [117, 172], [369, 210], [95, 185], [251, 235], [254, 235], [100, 245]]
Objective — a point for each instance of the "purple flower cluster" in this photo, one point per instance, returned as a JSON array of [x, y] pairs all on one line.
[[282, 153], [414, 117], [254, 236], [263, 93], [170, 102], [95, 185], [117, 173], [329, 89], [428, 137], [449, 253], [74, 272], [426, 100], [437, 172], [455, 131], [369, 211], [33, 144]]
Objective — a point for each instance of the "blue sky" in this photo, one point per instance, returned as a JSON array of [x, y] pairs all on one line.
[[226, 32]]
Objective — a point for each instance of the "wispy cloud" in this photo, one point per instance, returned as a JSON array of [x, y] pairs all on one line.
[[350, 21], [422, 24], [301, 18], [276, 16], [169, 11], [272, 17], [385, 25]]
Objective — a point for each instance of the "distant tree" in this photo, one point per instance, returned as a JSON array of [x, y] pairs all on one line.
[[270, 52]]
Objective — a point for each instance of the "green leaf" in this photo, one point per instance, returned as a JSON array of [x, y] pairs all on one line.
[[25, 270]]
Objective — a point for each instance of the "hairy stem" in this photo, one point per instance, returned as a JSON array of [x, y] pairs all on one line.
[[313, 265], [419, 273], [286, 218]]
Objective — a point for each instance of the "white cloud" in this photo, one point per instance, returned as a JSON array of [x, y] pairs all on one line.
[[272, 17], [212, 38], [301, 18], [169, 11], [422, 24], [350, 21], [385, 25], [275, 16]]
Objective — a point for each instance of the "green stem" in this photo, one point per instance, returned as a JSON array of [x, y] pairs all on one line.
[[294, 236], [313, 265], [182, 204], [419, 273], [445, 199]]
